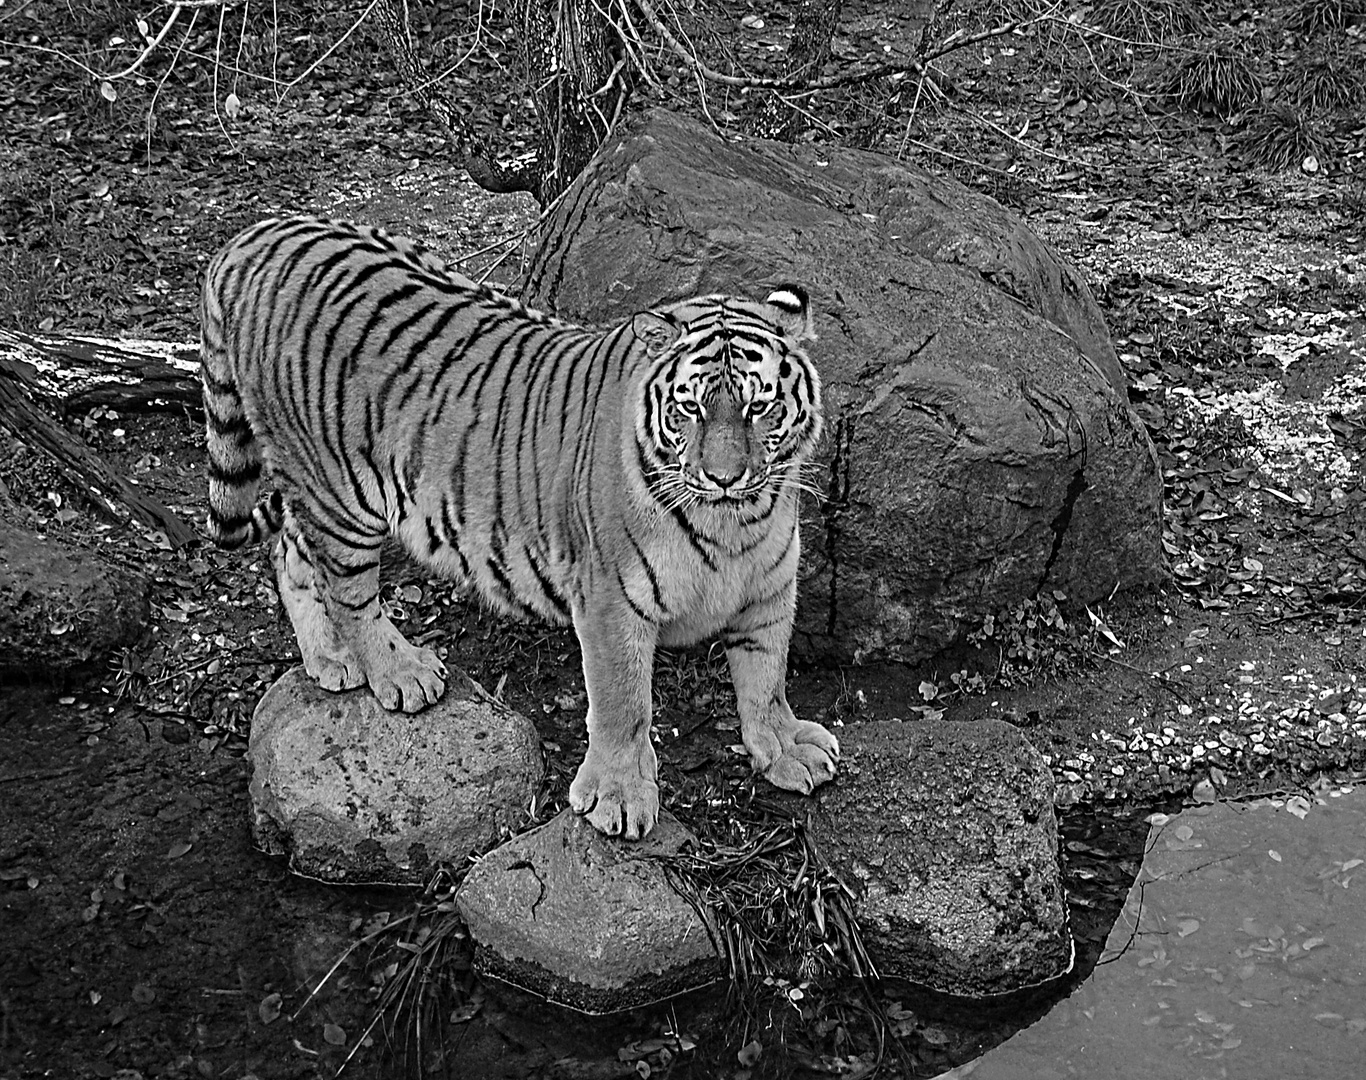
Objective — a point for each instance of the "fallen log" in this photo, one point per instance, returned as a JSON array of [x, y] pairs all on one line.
[[81, 371]]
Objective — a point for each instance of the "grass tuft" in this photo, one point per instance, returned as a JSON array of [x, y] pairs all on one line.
[[773, 904], [1323, 78], [1281, 136], [1218, 76], [421, 977], [1310, 17], [1145, 22]]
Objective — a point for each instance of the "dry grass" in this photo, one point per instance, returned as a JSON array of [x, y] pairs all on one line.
[[1280, 136], [1216, 76]]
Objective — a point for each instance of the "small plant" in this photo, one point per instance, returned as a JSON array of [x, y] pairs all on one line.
[[1145, 22], [1323, 78], [1280, 136], [1309, 17], [1033, 638], [1218, 76]]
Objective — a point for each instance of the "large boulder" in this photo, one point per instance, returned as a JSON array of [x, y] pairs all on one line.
[[62, 609], [355, 793], [947, 835], [586, 920], [981, 443]]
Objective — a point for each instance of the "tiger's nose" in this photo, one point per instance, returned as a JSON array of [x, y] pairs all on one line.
[[726, 479]]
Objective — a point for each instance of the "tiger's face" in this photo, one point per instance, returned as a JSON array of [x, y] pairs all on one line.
[[732, 403]]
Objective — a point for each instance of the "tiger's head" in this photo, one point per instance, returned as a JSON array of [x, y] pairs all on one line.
[[732, 403]]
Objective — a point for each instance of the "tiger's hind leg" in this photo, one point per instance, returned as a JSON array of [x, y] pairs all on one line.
[[325, 659], [369, 647], [796, 755]]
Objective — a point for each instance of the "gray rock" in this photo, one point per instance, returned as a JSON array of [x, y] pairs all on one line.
[[355, 793], [981, 443], [62, 609], [586, 920], [947, 833]]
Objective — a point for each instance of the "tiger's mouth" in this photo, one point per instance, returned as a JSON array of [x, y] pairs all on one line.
[[748, 490]]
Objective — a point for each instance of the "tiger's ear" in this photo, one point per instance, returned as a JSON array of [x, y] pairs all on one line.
[[793, 308], [657, 331]]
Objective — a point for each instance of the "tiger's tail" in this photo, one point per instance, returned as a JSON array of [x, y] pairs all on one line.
[[235, 463]]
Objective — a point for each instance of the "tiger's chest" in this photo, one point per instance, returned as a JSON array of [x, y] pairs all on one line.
[[704, 583]]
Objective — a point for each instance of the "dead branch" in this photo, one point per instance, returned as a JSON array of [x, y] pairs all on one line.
[[108, 492]]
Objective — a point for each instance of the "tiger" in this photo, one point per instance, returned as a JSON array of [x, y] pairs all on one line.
[[639, 483]]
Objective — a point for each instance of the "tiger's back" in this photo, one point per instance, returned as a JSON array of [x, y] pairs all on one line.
[[640, 482]]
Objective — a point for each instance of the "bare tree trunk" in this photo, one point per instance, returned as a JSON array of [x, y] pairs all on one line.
[[813, 28], [391, 19], [578, 81], [570, 62]]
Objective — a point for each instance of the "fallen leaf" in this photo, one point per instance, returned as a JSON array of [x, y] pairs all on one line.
[[334, 1035], [269, 1009], [179, 848], [750, 1053]]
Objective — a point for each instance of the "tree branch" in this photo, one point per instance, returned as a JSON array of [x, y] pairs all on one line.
[[800, 87]]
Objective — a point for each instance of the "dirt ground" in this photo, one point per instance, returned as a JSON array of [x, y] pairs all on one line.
[[141, 935]]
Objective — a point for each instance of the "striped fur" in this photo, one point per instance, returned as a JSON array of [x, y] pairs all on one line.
[[639, 482]]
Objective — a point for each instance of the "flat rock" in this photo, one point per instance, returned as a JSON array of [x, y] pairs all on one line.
[[355, 793], [981, 442], [60, 608], [586, 920], [1241, 952], [947, 833]]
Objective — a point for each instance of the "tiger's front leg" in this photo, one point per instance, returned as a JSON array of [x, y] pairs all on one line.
[[796, 755], [615, 787]]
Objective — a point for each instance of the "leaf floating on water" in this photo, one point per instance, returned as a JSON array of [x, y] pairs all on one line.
[[1298, 805], [1186, 927], [1274, 854], [1184, 832], [334, 1035], [466, 1012]]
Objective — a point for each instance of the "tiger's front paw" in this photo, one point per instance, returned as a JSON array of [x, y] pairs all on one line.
[[795, 756], [617, 801], [409, 678]]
